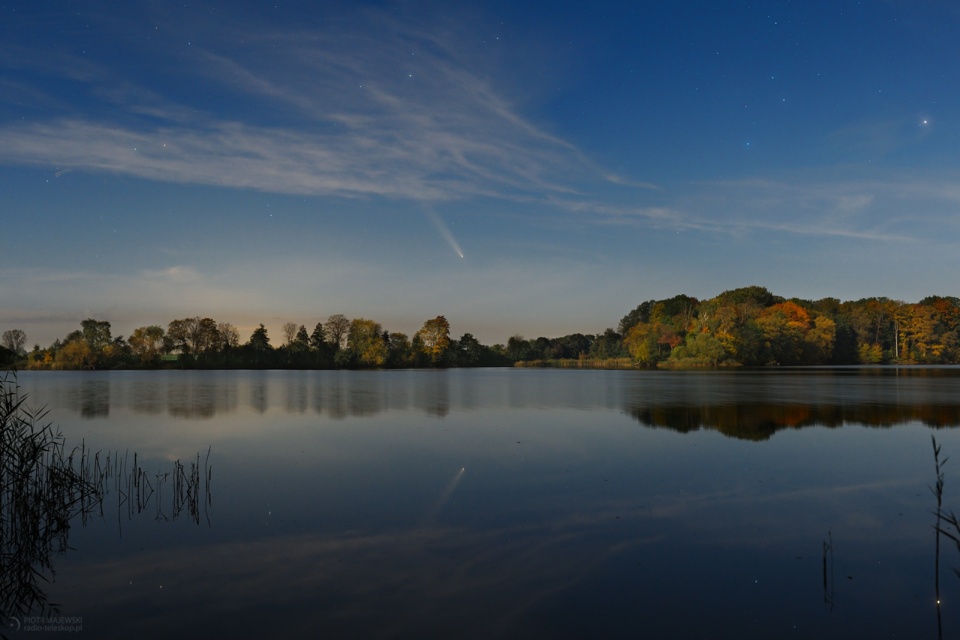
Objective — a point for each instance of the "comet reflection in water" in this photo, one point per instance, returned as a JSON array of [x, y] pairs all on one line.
[[445, 496]]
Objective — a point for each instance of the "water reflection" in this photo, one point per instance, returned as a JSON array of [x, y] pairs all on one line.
[[526, 503], [92, 398], [433, 396], [755, 405], [199, 399], [748, 405], [259, 396]]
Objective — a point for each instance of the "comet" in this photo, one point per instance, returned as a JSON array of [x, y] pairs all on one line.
[[444, 231]]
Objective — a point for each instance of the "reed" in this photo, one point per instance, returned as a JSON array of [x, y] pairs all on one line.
[[828, 570], [41, 491], [44, 487], [937, 490]]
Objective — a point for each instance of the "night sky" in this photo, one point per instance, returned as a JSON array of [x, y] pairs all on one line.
[[533, 168]]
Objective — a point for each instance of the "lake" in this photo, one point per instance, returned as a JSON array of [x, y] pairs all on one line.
[[512, 503]]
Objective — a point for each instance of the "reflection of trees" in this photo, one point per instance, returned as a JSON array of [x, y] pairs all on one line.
[[433, 393], [757, 420], [366, 393], [43, 487], [198, 400], [204, 395], [93, 399], [755, 405], [258, 393], [296, 398]]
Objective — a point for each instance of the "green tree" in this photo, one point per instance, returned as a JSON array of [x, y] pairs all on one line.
[[701, 347], [609, 344], [469, 351], [517, 348], [640, 314], [96, 333], [302, 338], [318, 339], [259, 340], [399, 350]]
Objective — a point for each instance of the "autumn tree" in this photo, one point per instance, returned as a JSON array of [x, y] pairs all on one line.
[[365, 343], [435, 338], [146, 343], [643, 343], [784, 326], [927, 332], [75, 354]]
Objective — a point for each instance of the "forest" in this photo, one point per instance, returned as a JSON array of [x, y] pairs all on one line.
[[749, 326]]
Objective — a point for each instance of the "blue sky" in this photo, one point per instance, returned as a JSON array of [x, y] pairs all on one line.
[[272, 162]]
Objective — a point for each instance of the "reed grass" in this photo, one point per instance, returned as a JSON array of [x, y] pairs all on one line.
[[44, 487]]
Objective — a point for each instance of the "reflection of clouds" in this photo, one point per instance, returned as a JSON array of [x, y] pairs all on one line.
[[506, 579], [457, 582]]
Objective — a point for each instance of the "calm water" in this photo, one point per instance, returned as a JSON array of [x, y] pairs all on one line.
[[516, 503]]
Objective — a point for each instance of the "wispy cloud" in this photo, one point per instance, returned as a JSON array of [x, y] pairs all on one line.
[[390, 111], [381, 108], [880, 208]]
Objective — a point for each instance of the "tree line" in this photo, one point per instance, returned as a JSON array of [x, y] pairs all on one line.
[[337, 342], [749, 326]]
